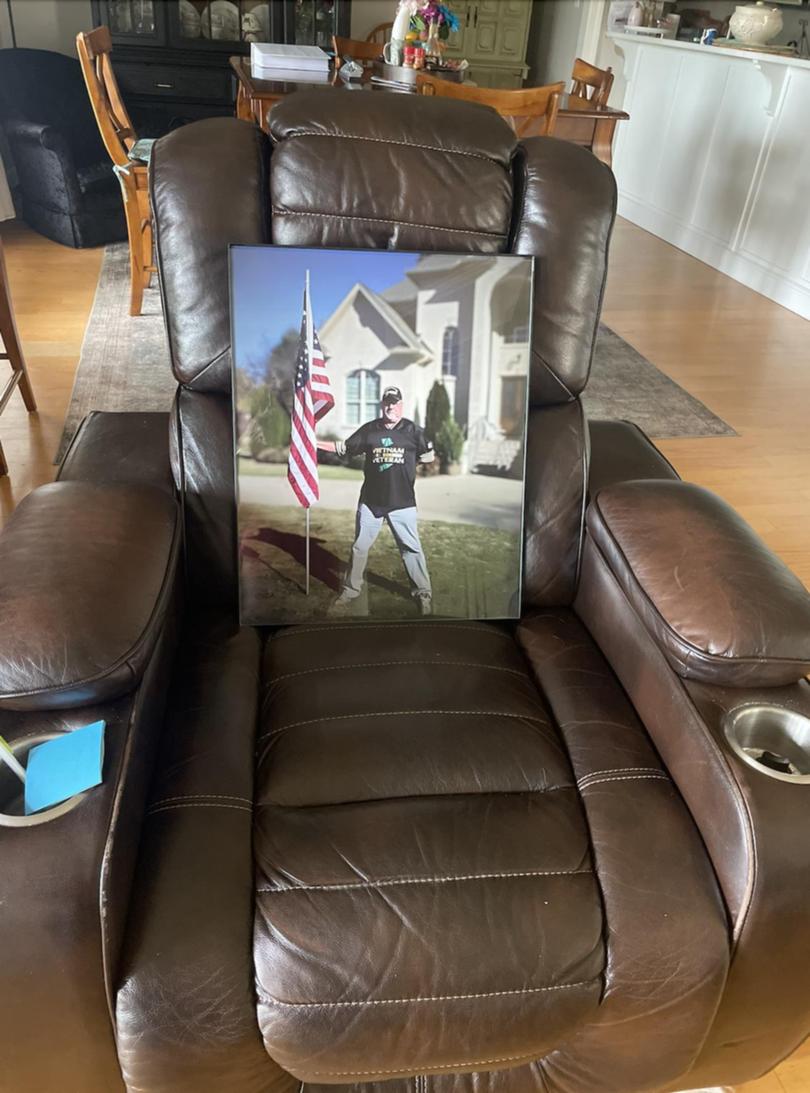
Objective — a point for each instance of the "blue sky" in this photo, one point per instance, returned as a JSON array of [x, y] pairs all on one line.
[[267, 289]]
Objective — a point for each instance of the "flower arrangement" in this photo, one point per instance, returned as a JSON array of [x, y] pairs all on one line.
[[433, 14]]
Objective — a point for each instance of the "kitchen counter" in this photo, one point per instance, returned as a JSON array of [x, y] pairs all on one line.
[[716, 158], [720, 51]]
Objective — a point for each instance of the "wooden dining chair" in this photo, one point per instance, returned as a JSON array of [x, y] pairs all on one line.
[[364, 52], [381, 33], [118, 136], [532, 112], [592, 83], [12, 352]]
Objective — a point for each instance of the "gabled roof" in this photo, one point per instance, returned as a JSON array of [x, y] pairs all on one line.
[[410, 341]]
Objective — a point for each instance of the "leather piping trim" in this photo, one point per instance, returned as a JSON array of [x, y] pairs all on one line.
[[703, 657], [125, 659], [402, 713], [537, 356], [383, 140], [394, 663], [267, 1000], [407, 1070], [109, 959], [721, 763], [586, 460], [405, 881], [214, 360], [77, 438], [280, 212], [598, 315]]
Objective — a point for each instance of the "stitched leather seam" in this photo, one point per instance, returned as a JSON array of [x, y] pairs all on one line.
[[393, 663], [403, 881], [200, 796], [387, 220], [268, 1001], [401, 713], [437, 1066], [403, 143], [197, 804], [658, 777], [715, 753], [619, 770], [294, 631]]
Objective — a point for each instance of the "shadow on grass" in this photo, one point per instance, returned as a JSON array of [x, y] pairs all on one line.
[[323, 564]]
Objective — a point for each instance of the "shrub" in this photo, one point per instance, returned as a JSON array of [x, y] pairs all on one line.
[[449, 443]]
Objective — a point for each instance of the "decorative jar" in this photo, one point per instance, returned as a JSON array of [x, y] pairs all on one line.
[[755, 24]]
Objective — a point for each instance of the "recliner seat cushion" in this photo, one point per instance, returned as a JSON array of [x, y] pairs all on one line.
[[421, 857]]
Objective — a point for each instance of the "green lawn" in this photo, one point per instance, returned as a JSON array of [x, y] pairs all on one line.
[[473, 570], [279, 470]]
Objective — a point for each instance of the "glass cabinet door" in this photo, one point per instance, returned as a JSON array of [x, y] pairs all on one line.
[[134, 20], [313, 22], [219, 23]]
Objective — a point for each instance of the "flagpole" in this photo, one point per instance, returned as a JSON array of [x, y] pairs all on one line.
[[308, 311], [307, 586]]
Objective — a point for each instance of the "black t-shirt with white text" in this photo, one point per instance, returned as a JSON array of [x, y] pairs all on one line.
[[390, 464]]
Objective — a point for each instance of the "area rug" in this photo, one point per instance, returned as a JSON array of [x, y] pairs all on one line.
[[124, 365]]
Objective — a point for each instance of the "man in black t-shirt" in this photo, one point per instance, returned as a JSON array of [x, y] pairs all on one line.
[[392, 446]]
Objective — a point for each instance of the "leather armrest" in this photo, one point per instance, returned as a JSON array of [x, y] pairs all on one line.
[[720, 605], [86, 574], [31, 132], [622, 452]]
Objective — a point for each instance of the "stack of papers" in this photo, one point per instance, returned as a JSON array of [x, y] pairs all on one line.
[[275, 61]]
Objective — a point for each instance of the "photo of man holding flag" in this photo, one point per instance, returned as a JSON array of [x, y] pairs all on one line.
[[346, 421]]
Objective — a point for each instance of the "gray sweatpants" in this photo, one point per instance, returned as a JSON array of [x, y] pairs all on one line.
[[402, 523]]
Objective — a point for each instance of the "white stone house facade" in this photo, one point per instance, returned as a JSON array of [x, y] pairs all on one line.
[[459, 319]]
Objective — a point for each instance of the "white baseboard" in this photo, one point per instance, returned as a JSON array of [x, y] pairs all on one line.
[[746, 269]]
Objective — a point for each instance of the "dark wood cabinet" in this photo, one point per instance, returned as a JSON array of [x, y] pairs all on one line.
[[171, 56]]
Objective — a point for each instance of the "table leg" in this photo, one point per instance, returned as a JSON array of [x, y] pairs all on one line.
[[602, 146], [244, 107], [11, 339]]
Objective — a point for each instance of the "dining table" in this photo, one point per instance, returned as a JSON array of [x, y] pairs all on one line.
[[578, 119]]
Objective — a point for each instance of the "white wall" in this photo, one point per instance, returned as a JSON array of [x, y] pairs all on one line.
[[46, 24], [367, 14], [554, 39]]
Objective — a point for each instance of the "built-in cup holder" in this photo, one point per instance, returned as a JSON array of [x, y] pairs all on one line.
[[772, 740], [12, 808]]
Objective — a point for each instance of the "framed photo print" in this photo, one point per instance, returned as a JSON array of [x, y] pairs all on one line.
[[380, 403]]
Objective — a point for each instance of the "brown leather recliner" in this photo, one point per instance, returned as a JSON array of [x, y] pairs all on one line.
[[471, 859]]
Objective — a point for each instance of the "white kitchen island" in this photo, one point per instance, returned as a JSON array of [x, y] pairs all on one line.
[[716, 158]]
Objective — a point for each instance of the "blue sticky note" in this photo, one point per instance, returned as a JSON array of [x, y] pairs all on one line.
[[62, 767]]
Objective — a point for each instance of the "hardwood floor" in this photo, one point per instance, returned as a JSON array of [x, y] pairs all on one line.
[[747, 358], [52, 289]]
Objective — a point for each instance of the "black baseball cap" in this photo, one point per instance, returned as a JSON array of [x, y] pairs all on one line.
[[392, 394]]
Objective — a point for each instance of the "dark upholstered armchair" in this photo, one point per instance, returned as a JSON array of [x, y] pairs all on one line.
[[495, 859], [69, 192]]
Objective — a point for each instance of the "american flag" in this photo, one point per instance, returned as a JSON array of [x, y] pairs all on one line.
[[312, 398]]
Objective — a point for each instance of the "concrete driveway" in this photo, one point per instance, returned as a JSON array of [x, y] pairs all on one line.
[[458, 499]]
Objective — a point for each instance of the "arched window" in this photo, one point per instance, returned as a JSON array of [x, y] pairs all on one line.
[[450, 351], [362, 396]]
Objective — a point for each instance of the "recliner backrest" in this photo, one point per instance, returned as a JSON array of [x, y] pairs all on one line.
[[391, 172], [41, 86]]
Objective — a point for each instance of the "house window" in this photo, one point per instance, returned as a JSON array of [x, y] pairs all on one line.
[[450, 351], [518, 335], [362, 396]]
